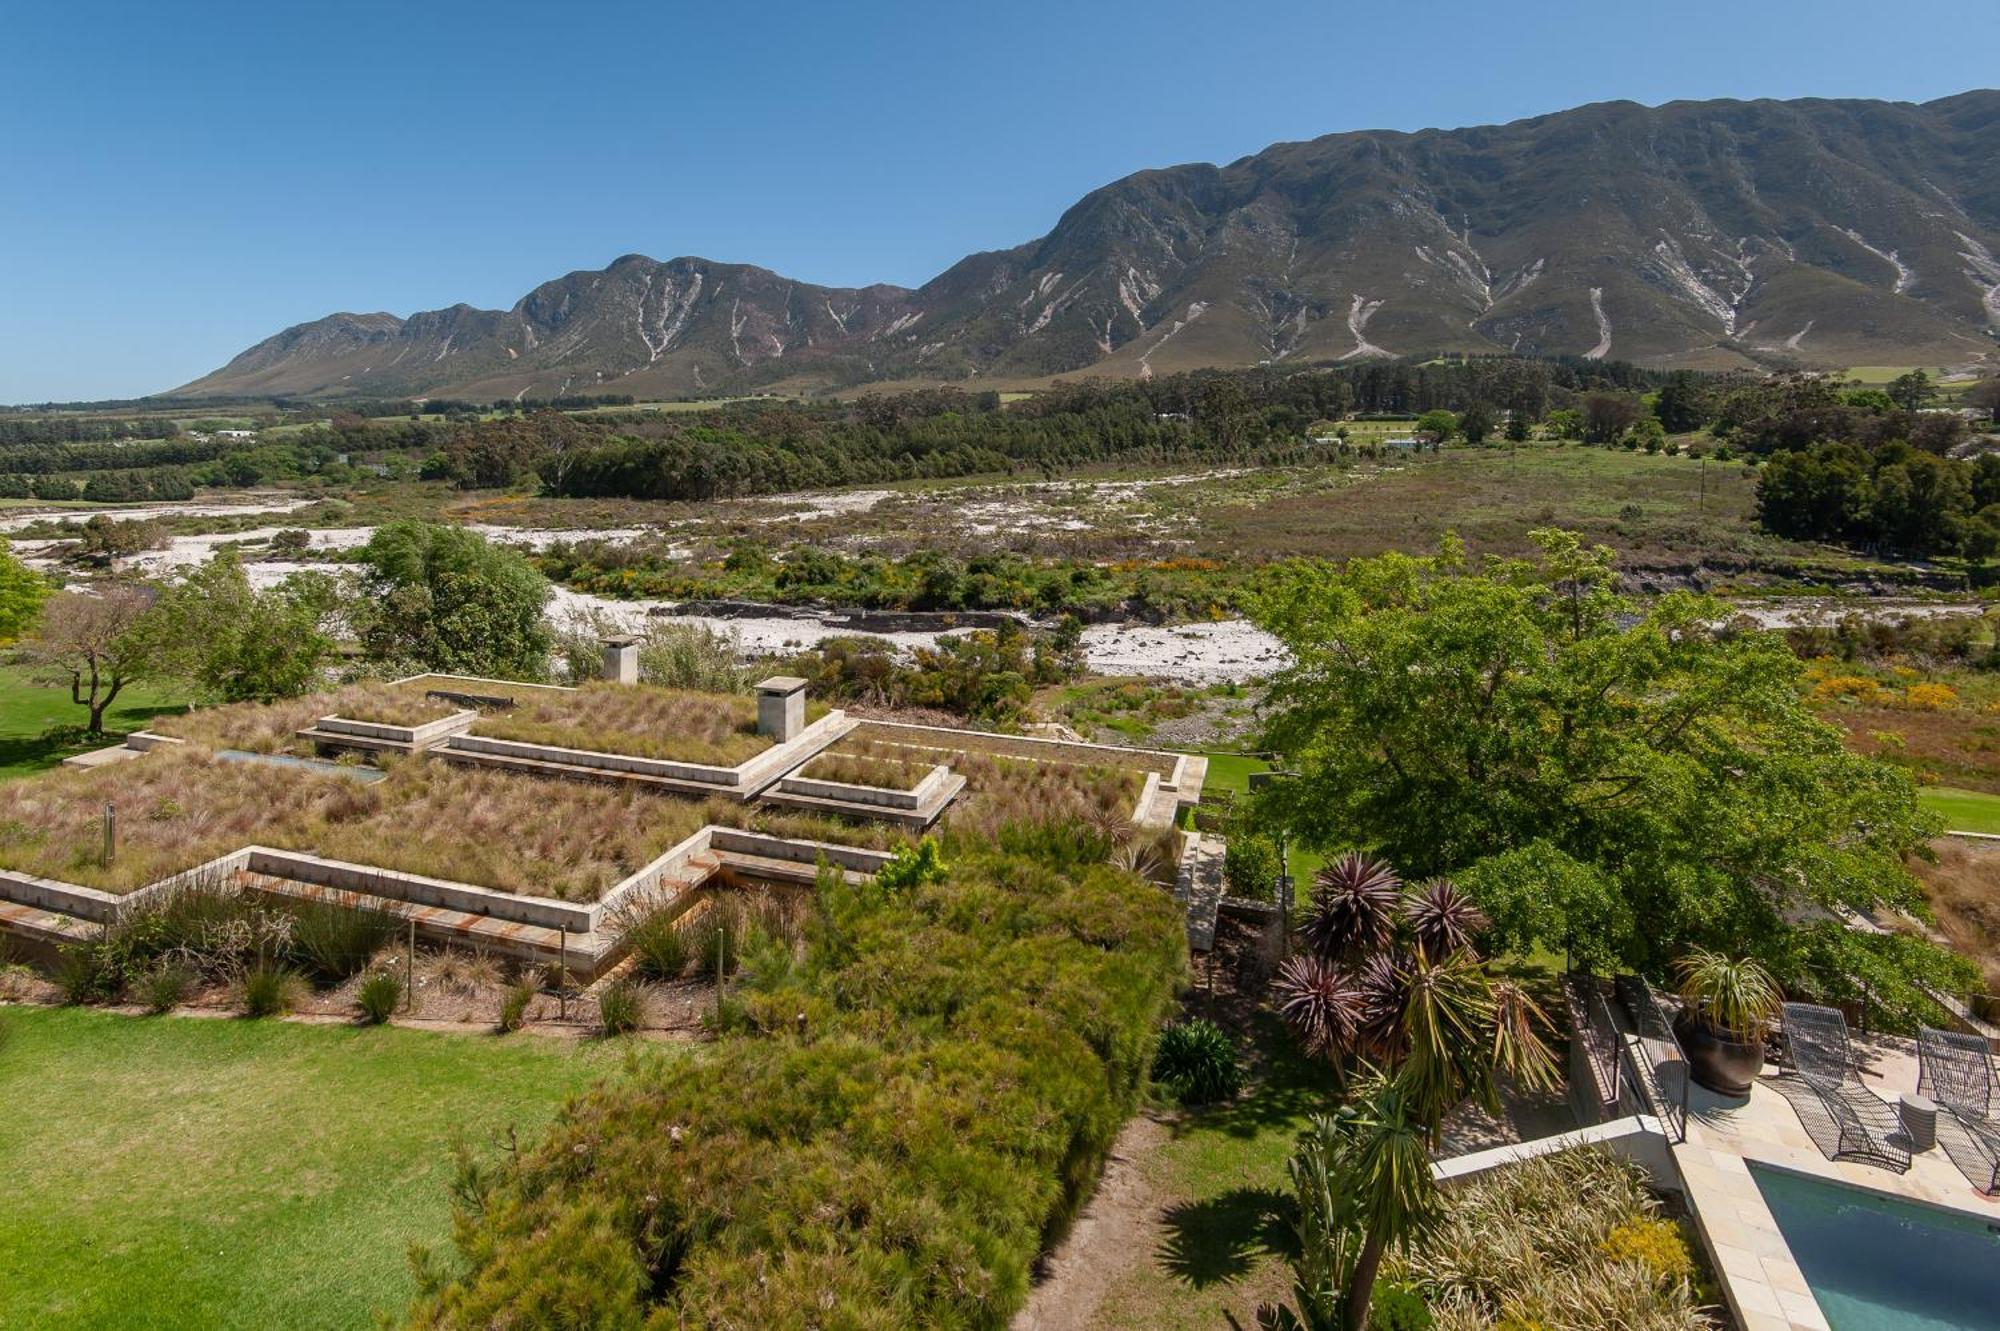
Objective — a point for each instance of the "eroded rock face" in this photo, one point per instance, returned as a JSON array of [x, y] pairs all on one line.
[[1702, 234]]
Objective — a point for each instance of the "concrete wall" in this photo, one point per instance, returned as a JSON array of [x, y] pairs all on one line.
[[1639, 1139], [885, 796], [423, 736]]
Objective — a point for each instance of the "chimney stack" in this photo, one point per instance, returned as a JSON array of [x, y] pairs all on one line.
[[781, 708], [621, 658]]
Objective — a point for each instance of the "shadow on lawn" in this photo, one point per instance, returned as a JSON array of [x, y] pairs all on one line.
[[20, 754], [1220, 1240]]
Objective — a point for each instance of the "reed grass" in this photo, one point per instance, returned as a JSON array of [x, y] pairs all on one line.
[[1534, 1242], [178, 809], [273, 727], [636, 720]]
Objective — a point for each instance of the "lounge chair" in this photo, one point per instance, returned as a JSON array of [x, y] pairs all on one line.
[[1956, 1071], [1851, 1122]]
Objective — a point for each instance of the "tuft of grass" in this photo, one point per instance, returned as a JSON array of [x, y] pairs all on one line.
[[269, 990], [82, 975], [378, 996], [166, 986], [515, 1003], [333, 936], [656, 940], [1197, 1059], [621, 1008]]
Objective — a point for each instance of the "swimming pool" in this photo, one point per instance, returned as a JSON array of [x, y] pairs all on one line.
[[1878, 1264]]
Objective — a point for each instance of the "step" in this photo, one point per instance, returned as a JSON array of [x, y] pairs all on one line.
[[916, 819], [586, 953], [1199, 887], [35, 925], [573, 772]]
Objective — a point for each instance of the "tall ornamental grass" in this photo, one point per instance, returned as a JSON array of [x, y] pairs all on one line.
[[1575, 1239]]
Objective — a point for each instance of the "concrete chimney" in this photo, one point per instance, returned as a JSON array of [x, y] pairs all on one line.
[[781, 707], [621, 658]]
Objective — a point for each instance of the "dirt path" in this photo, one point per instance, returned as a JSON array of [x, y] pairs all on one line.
[[1119, 1228]]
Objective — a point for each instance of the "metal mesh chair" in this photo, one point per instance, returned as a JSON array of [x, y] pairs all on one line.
[[1852, 1122], [1956, 1071]]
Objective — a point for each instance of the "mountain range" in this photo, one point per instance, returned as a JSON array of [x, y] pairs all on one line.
[[1704, 234]]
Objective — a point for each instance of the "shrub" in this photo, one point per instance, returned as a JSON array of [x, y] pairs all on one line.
[[378, 996], [884, 1135], [82, 976], [658, 944], [166, 986], [1198, 1060], [912, 867], [515, 1003], [1930, 697], [333, 938], [1250, 863], [269, 990], [1655, 1244], [1398, 1308], [621, 1008]]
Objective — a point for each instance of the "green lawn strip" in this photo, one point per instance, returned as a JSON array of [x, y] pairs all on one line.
[[28, 709], [226, 1173], [1223, 1194], [1963, 810]]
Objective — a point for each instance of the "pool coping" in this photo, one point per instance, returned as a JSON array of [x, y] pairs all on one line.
[[1760, 1278]]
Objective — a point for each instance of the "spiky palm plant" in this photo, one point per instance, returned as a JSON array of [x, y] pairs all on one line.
[[1355, 904], [1442, 919], [1321, 1003]]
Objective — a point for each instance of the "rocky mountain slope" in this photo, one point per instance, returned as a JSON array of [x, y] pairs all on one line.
[[1699, 233]]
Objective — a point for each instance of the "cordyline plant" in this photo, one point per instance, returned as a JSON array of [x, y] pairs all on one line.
[[1391, 976], [1391, 979]]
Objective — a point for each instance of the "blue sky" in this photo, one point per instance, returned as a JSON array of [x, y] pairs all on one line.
[[184, 179]]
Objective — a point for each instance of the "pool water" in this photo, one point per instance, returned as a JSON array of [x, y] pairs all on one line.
[[1877, 1264]]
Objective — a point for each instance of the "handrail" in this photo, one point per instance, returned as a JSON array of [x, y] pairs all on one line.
[[1649, 1019], [1597, 1029]]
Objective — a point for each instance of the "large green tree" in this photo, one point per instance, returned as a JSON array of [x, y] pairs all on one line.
[[1618, 777], [22, 594], [443, 598], [239, 643]]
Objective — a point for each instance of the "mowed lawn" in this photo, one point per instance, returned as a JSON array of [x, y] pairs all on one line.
[[1963, 810], [209, 1173], [28, 710]]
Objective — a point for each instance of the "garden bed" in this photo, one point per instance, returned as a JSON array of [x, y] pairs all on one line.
[[273, 727], [869, 763], [638, 721], [180, 808]]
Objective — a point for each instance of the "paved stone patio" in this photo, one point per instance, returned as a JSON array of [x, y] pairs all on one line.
[[1763, 1282]]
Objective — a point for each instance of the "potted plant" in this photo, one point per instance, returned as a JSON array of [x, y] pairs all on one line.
[[1726, 1004]]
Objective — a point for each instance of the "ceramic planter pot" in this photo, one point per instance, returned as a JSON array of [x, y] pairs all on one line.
[[1716, 1058]]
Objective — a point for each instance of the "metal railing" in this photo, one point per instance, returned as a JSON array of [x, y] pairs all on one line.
[[1650, 1021], [1595, 1029]]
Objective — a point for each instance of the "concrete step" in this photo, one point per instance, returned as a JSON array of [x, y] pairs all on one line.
[[574, 772], [587, 953], [34, 925], [1199, 887], [916, 819]]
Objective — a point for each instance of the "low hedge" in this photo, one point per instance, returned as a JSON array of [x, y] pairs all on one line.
[[898, 1117]]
